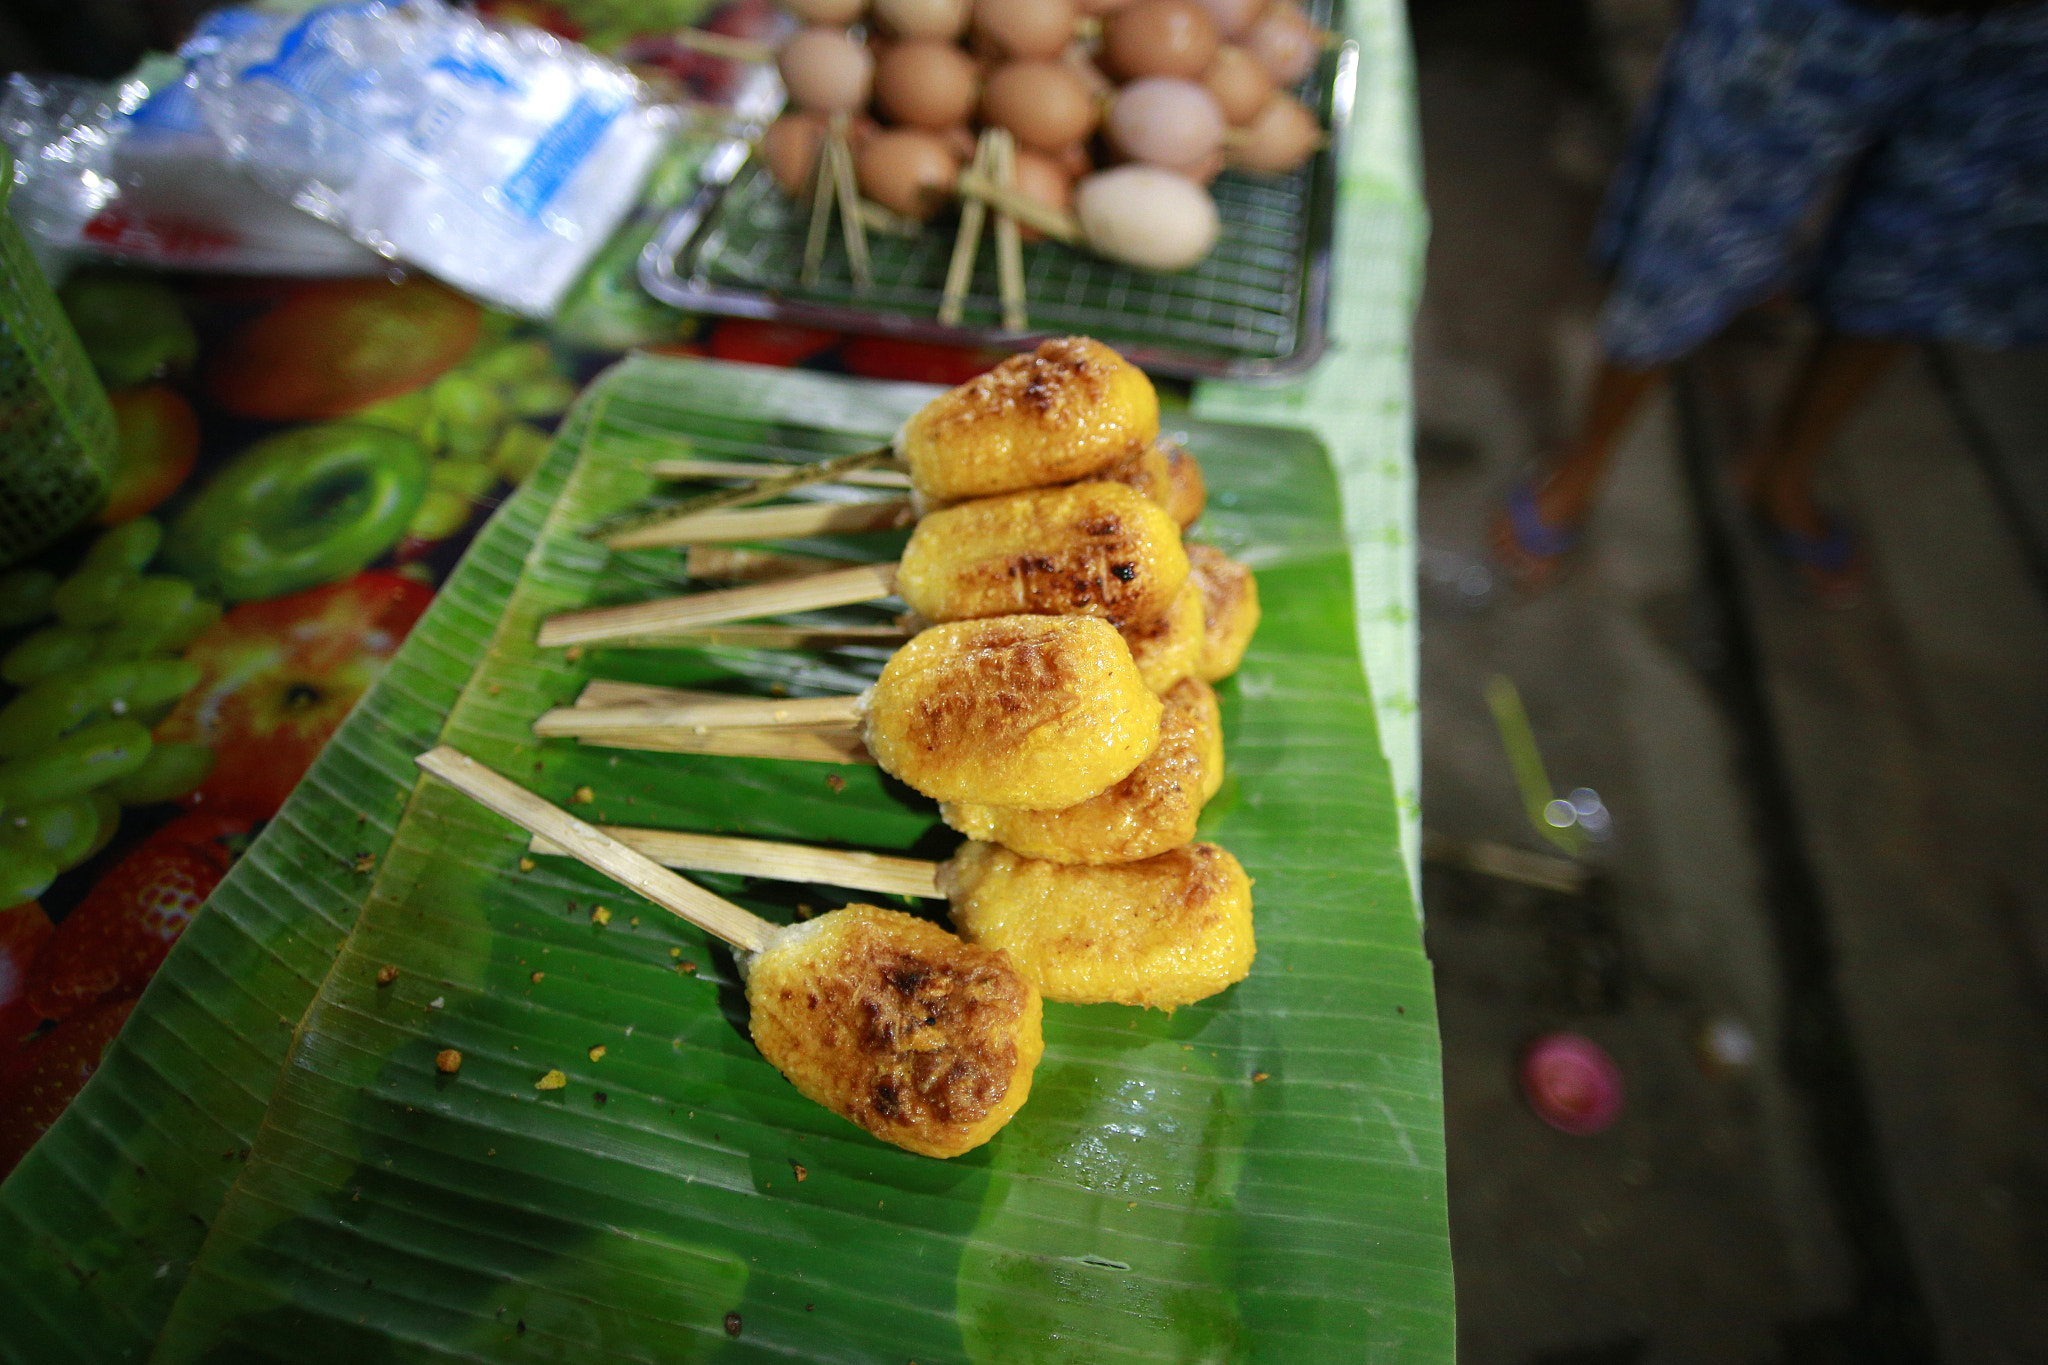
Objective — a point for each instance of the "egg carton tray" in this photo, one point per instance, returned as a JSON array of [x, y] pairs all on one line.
[[1256, 308]]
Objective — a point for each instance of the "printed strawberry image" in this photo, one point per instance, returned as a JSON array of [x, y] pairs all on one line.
[[23, 931], [109, 947], [278, 677], [41, 1079]]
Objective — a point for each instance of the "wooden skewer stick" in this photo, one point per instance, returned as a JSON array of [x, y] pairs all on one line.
[[967, 241], [1009, 244], [767, 523], [1050, 221], [878, 218], [775, 637], [798, 746], [722, 45], [741, 564], [851, 224], [759, 469], [774, 861], [726, 713], [670, 615], [593, 847], [772, 482], [824, 186], [807, 746]]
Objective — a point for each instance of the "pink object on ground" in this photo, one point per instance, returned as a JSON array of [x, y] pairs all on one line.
[[1571, 1083]]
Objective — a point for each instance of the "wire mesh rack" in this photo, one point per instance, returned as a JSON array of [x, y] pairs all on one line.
[[1255, 308]]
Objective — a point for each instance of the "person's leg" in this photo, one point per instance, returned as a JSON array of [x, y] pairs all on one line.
[[1777, 477], [1542, 520], [1762, 107]]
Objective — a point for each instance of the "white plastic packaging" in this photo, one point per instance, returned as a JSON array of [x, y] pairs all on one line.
[[132, 172], [499, 160]]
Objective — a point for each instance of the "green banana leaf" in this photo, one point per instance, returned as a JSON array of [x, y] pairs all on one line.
[[1260, 1175]]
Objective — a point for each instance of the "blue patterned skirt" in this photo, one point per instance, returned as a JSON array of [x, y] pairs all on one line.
[[1893, 168]]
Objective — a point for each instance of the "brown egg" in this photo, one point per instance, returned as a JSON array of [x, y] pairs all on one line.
[[790, 147], [1159, 38], [1233, 16], [942, 19], [908, 170], [1203, 169], [839, 12], [1101, 7], [960, 138], [1041, 177], [826, 71], [1165, 121], [1283, 136], [1284, 42], [1043, 103], [1082, 61], [926, 84], [1027, 28], [1075, 160], [1241, 86]]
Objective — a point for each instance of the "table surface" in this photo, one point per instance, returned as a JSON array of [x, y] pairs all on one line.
[[258, 344], [1358, 398]]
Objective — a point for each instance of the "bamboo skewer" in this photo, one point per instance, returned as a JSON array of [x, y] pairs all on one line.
[[850, 221], [1009, 244], [967, 241], [1050, 221], [842, 746], [774, 861], [767, 523], [743, 565], [725, 713], [823, 187], [669, 616], [593, 847], [722, 45], [841, 470], [775, 637], [767, 481]]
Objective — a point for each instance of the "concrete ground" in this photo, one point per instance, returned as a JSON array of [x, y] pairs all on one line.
[[1827, 827]]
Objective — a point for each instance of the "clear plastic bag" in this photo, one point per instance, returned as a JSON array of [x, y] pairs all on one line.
[[497, 159]]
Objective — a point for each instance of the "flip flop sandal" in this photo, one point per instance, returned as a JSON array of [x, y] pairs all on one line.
[[1830, 563], [1534, 542]]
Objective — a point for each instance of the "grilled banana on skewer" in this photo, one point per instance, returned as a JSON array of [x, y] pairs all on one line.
[[1148, 813]]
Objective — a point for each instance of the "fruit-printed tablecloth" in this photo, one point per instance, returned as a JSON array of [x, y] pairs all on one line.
[[302, 462]]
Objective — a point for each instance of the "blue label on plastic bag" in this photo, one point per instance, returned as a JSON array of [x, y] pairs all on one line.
[[557, 155], [303, 55]]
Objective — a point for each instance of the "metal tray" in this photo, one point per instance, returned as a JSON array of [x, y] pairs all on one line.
[[1257, 308]]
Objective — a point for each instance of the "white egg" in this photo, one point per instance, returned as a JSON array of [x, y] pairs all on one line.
[[1147, 217], [1165, 121]]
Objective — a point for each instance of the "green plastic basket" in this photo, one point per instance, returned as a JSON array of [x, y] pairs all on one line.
[[56, 426]]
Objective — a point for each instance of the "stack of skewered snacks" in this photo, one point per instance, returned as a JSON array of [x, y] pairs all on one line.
[[1040, 734]]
